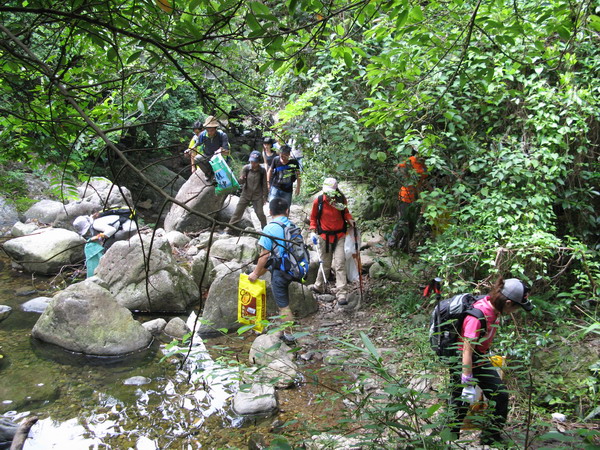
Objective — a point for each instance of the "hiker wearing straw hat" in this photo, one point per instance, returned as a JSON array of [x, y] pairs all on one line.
[[208, 143], [329, 220]]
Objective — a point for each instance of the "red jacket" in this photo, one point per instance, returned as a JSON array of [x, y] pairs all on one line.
[[332, 219]]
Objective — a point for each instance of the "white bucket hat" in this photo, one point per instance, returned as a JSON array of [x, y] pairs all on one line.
[[82, 224], [330, 185]]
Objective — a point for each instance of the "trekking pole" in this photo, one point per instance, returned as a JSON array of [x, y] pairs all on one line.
[[358, 262], [435, 286]]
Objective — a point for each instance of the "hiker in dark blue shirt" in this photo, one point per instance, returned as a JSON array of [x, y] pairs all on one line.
[[284, 171]]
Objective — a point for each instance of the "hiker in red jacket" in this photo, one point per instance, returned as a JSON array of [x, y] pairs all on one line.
[[329, 221]]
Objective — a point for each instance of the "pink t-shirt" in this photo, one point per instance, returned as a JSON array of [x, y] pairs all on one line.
[[471, 325]]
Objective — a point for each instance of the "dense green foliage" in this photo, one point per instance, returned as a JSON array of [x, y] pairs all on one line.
[[500, 98]]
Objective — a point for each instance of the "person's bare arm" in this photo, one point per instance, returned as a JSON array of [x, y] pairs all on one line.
[[260, 268]]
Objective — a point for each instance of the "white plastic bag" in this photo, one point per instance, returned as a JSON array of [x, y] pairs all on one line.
[[350, 251]]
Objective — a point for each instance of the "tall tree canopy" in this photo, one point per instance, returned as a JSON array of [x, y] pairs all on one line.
[[500, 97]]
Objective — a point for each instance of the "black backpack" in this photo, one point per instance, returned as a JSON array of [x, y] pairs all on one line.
[[124, 214], [292, 257], [447, 320]]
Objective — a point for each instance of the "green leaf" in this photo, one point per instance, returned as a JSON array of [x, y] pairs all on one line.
[[260, 9], [416, 13], [253, 23], [369, 345], [245, 328], [594, 22], [134, 56]]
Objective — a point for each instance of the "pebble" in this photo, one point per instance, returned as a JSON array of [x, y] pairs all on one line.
[[559, 417], [136, 381]]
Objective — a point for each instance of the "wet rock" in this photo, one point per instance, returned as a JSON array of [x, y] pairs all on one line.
[[144, 443], [177, 239], [86, 318], [23, 229], [335, 357], [36, 305], [267, 348], [257, 442], [260, 399], [159, 284], [176, 328], [8, 428], [197, 195], [137, 381], [4, 312], [326, 441], [156, 326], [46, 252], [24, 291], [282, 374]]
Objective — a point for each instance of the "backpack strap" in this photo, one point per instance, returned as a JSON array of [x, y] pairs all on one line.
[[476, 312], [320, 230]]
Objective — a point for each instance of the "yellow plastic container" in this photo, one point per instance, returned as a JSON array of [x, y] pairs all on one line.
[[252, 302]]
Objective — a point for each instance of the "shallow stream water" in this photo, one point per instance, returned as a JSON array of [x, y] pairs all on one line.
[[83, 402]]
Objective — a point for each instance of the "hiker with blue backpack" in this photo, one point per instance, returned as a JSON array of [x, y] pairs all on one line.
[[284, 253], [329, 222], [464, 327]]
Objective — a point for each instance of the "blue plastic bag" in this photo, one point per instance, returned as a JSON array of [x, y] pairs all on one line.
[[93, 253]]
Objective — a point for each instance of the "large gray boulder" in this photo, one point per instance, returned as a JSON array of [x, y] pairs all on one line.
[[166, 179], [95, 195], [86, 318], [220, 309], [46, 251], [241, 249], [103, 193], [139, 283], [44, 211], [198, 196]]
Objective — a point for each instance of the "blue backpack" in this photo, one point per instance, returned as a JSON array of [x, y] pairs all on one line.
[[292, 257]]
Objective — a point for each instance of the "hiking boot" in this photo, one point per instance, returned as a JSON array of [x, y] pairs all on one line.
[[313, 288]]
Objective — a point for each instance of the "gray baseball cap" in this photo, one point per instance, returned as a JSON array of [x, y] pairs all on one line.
[[516, 291]]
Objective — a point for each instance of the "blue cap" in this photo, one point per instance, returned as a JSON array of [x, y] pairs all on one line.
[[254, 156]]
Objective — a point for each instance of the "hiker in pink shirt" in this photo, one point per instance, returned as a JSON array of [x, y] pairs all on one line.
[[505, 298]]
